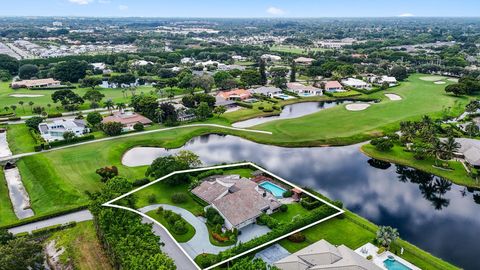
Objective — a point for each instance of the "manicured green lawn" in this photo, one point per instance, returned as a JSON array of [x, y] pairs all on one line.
[[181, 238], [457, 175], [243, 172], [353, 232], [6, 211], [294, 210], [81, 247], [6, 100], [339, 126], [163, 194]]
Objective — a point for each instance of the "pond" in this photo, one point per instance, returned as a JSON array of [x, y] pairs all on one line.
[[292, 111], [429, 212]]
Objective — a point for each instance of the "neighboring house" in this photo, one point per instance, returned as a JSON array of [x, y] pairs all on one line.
[[236, 94], [268, 91], [54, 131], [229, 104], [356, 83], [223, 67], [35, 83], [127, 119], [187, 60], [323, 255], [183, 113], [304, 60], [239, 201], [333, 86], [469, 150], [99, 66], [302, 89], [271, 57], [392, 81], [238, 58], [141, 63]]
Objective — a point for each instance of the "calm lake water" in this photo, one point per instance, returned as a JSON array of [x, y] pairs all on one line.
[[292, 111], [429, 212]]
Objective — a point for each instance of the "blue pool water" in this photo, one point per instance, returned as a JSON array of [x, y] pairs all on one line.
[[274, 189], [394, 265]]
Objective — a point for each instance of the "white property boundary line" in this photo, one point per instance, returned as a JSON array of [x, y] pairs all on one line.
[[110, 204], [2, 159]]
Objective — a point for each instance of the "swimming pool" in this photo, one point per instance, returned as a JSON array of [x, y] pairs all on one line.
[[392, 264], [274, 189]]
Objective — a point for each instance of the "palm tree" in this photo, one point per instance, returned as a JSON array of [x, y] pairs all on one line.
[[14, 108], [21, 104], [386, 235], [31, 105], [49, 105], [436, 150], [121, 106], [450, 147], [109, 104]]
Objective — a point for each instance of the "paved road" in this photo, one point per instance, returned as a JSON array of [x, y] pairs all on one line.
[[200, 242], [78, 216], [14, 157]]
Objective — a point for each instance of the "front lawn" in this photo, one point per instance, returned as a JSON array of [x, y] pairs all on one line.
[[295, 210], [181, 238]]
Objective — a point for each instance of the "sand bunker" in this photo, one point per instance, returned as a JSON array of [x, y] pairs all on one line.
[[25, 96], [432, 78], [357, 106], [439, 82], [393, 97]]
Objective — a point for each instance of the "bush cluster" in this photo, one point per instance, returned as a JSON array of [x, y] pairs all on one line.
[[268, 221], [179, 197], [298, 237], [310, 203]]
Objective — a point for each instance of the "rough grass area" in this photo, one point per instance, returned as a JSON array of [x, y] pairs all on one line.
[[19, 139], [6, 211], [81, 247]]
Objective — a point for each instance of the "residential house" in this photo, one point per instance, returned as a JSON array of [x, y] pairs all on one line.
[[356, 83], [392, 81], [127, 119], [229, 104], [39, 83], [187, 60], [141, 63], [333, 86], [183, 113], [54, 131], [469, 150], [304, 60], [236, 94], [268, 91], [238, 58], [238, 200], [305, 90], [323, 255], [271, 57]]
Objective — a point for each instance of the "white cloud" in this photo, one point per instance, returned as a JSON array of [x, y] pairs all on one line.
[[123, 7], [406, 15], [104, 1], [81, 2], [275, 11]]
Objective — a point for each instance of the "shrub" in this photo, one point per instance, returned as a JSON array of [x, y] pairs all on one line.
[[268, 110], [71, 141], [275, 107], [138, 127], [205, 260], [180, 227], [159, 211], [112, 128], [33, 122], [369, 257], [283, 208], [380, 250], [219, 237], [213, 217], [261, 107], [141, 182], [287, 194], [152, 198], [267, 220], [298, 237], [179, 198], [244, 104], [309, 203], [54, 115], [107, 173], [382, 144]]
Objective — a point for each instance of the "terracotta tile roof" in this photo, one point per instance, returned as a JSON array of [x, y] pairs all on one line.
[[332, 84], [127, 118], [237, 93]]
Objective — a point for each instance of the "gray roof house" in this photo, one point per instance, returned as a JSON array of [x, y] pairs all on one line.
[[323, 255], [470, 150], [266, 91]]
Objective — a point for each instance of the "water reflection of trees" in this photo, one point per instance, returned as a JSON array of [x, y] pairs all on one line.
[[433, 188]]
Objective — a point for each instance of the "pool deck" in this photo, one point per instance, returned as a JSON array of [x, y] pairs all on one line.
[[370, 249]]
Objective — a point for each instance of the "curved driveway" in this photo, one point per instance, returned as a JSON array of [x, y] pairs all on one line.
[[200, 242]]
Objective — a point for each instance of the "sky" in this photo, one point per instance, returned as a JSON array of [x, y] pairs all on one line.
[[241, 8]]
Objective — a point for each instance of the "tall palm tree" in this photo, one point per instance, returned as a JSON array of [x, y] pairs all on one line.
[[31, 103], [121, 106], [436, 150], [450, 147], [386, 235], [109, 104], [21, 104]]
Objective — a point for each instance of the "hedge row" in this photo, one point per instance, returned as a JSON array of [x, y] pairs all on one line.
[[63, 87], [49, 145], [244, 104]]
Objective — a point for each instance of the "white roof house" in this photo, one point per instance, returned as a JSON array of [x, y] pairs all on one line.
[[54, 131], [266, 91], [304, 60], [140, 63], [356, 83], [323, 255], [271, 57], [187, 60], [302, 89], [100, 66]]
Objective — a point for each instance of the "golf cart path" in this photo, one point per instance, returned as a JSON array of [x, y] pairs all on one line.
[[3, 159]]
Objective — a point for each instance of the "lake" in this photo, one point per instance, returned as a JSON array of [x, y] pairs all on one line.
[[428, 211]]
